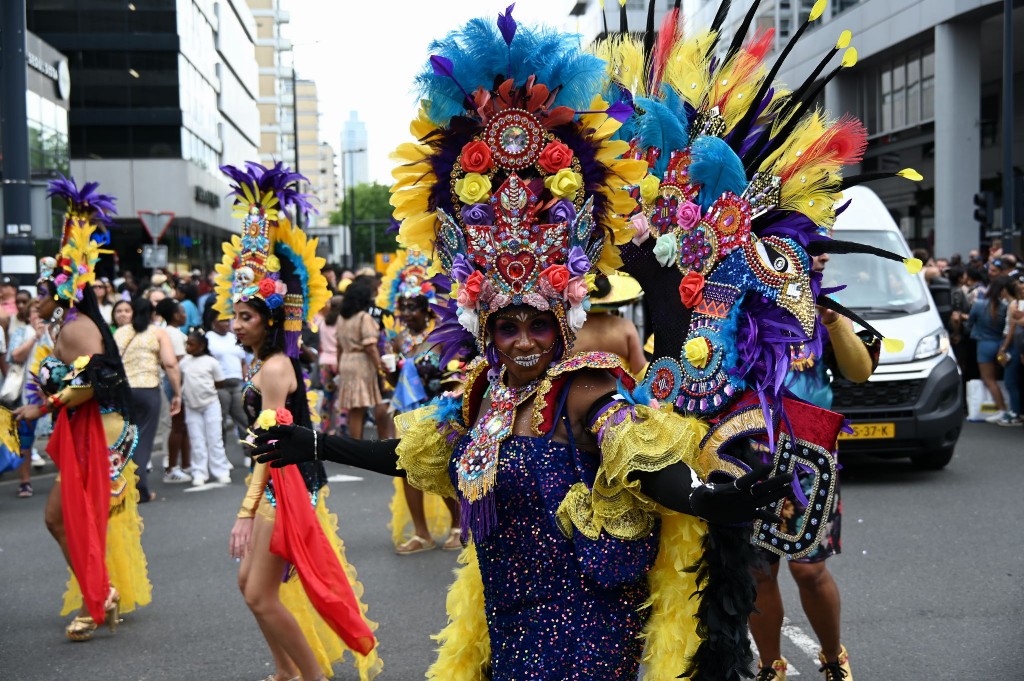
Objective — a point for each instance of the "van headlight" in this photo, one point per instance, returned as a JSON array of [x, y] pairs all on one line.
[[935, 343]]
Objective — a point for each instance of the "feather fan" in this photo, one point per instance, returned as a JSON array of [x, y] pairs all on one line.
[[717, 168]]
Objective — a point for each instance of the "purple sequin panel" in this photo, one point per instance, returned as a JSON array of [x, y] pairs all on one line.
[[548, 615]]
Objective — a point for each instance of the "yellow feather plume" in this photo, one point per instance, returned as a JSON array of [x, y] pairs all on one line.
[[317, 292], [465, 650], [688, 67], [627, 64]]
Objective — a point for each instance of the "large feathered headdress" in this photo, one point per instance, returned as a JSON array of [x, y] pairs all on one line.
[[515, 178], [272, 261], [86, 219]]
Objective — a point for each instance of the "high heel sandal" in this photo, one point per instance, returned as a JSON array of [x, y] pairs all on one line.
[[83, 627]]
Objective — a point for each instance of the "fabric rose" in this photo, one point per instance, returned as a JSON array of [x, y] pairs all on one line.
[[273, 264], [576, 291], [688, 214], [280, 288], [641, 228], [470, 321], [473, 188], [555, 157], [564, 184], [576, 317], [283, 417], [267, 287], [691, 289], [562, 211], [476, 157], [697, 351], [577, 262], [557, 276], [666, 250], [473, 286], [274, 301], [464, 300], [461, 268], [649, 188], [478, 214], [60, 279], [266, 419]]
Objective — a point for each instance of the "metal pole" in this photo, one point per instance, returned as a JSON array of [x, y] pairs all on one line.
[[351, 203], [1008, 198], [300, 218], [17, 193]]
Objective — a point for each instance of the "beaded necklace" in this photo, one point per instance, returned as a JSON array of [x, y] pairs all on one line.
[[478, 465], [411, 341]]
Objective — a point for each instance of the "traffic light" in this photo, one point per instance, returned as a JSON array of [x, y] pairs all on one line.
[[984, 209]]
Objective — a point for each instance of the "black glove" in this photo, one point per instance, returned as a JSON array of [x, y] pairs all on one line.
[[742, 500], [284, 445]]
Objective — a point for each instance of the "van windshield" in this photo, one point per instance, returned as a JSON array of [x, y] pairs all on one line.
[[876, 287]]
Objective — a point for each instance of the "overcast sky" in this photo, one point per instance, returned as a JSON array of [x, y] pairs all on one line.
[[365, 54]]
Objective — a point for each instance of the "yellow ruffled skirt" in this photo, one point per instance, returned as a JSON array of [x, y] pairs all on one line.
[[126, 562], [326, 644], [439, 519]]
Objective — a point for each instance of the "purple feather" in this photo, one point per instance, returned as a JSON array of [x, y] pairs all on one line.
[[620, 111], [507, 25], [442, 66], [279, 179], [84, 199]]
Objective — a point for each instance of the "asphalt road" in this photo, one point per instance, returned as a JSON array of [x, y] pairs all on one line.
[[930, 578]]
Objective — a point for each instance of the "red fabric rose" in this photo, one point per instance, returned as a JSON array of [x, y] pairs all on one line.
[[554, 157], [474, 284], [283, 416], [267, 287], [691, 289], [558, 276], [476, 157]]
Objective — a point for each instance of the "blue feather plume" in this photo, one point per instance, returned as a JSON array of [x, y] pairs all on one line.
[[478, 54], [717, 168], [660, 127]]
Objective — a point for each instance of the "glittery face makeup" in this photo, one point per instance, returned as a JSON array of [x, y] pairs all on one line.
[[525, 339]]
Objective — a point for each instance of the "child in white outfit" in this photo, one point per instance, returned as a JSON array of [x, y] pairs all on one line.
[[201, 376]]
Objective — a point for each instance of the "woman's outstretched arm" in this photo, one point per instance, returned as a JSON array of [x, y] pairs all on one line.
[[285, 445]]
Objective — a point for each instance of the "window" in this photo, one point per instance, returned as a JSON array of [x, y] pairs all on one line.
[[47, 135], [905, 93]]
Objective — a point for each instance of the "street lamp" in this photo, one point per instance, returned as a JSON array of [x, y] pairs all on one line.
[[350, 197]]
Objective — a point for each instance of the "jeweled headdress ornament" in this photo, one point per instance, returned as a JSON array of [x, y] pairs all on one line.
[[408, 276], [272, 261], [86, 220], [515, 178]]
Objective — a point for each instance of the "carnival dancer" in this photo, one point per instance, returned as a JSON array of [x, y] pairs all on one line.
[[270, 282], [745, 179], [92, 510], [418, 379], [580, 500], [845, 353]]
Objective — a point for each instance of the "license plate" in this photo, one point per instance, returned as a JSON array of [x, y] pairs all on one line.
[[870, 431]]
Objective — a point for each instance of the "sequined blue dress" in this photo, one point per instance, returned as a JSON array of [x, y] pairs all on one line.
[[557, 608]]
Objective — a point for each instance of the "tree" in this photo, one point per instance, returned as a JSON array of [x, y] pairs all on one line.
[[370, 202]]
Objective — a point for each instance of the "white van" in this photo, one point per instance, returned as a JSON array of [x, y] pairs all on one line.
[[913, 404]]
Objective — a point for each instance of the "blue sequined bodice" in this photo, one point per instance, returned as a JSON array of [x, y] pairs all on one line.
[[557, 608]]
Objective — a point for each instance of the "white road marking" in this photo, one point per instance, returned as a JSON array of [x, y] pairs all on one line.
[[341, 477], [801, 640]]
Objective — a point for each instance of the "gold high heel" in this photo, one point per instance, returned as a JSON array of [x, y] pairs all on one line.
[[83, 627]]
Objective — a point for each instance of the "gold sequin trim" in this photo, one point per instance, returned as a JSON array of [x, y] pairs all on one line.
[[424, 451]]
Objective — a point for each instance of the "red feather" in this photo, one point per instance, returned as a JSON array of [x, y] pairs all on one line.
[[842, 144], [668, 35], [761, 43]]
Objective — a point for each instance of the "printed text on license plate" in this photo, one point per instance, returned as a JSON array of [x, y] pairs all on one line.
[[870, 431]]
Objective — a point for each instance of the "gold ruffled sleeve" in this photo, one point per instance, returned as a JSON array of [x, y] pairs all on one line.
[[425, 449], [633, 438]]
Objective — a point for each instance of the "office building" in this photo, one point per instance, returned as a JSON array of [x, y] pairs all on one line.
[[354, 154], [276, 83], [162, 93]]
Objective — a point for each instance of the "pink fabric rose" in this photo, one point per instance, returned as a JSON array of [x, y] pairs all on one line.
[[576, 291], [464, 299], [641, 228], [688, 214]]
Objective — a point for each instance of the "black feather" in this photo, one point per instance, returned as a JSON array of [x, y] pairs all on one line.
[[831, 304], [741, 32]]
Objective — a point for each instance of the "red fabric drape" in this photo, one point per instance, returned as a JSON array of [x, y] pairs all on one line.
[[299, 539], [78, 447]]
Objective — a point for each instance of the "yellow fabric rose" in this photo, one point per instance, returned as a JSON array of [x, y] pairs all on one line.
[[698, 350], [473, 188], [266, 419], [80, 363], [273, 264], [564, 184], [649, 188]]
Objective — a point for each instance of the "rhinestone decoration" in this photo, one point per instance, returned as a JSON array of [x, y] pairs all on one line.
[[515, 138]]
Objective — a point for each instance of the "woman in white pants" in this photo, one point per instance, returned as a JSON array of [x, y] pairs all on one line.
[[202, 376]]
